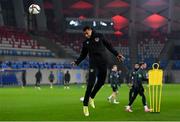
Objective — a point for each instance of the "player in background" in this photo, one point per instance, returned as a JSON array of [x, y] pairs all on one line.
[[114, 81], [131, 80], [23, 78], [38, 77], [139, 76], [67, 78], [51, 79]]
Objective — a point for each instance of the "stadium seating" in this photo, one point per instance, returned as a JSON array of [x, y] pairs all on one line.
[[176, 65], [15, 41], [74, 41], [41, 65], [150, 47]]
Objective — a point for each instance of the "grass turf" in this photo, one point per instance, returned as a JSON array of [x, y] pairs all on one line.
[[60, 104]]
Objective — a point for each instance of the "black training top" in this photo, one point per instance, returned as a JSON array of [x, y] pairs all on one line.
[[96, 46], [139, 77], [114, 78]]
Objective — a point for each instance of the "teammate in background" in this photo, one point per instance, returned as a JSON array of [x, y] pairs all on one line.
[[67, 78], [95, 45], [38, 79], [132, 80], [23, 78], [139, 76], [114, 81], [51, 79]]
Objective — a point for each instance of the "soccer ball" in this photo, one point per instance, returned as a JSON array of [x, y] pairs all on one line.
[[34, 9], [81, 99]]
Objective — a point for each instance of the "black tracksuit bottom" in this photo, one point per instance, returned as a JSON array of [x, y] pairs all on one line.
[[138, 90], [37, 83], [93, 87], [131, 93]]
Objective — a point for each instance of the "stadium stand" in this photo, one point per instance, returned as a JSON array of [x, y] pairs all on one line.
[[150, 47], [176, 65], [15, 41], [41, 65]]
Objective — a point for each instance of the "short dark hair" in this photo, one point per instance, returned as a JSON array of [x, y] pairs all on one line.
[[86, 28], [137, 63], [141, 63]]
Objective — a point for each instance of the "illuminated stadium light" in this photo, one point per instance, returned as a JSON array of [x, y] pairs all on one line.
[[94, 23], [103, 23], [74, 23]]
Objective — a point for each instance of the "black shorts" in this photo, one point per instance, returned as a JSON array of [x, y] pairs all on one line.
[[139, 90], [114, 88], [51, 81]]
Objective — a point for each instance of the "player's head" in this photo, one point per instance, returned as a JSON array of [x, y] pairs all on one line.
[[136, 66], [87, 31], [114, 68], [143, 65]]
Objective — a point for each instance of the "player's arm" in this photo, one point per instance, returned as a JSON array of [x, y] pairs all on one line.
[[111, 78], [108, 45], [69, 77], [145, 76], [131, 79], [82, 56], [49, 78]]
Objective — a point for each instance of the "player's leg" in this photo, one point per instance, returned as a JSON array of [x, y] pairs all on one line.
[[90, 85], [130, 94], [23, 84], [102, 71], [111, 97], [51, 84], [141, 92], [115, 98], [68, 85], [116, 93], [65, 84], [38, 85], [128, 108]]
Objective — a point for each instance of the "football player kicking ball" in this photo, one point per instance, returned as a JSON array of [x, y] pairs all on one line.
[[95, 45]]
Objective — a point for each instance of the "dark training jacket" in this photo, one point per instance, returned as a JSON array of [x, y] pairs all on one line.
[[114, 78], [38, 76], [139, 77], [67, 77], [96, 46]]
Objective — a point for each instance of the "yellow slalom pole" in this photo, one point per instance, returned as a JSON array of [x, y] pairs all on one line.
[[150, 96], [153, 97], [156, 98], [160, 97], [155, 84]]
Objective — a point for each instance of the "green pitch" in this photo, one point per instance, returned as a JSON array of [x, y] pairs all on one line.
[[60, 104]]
